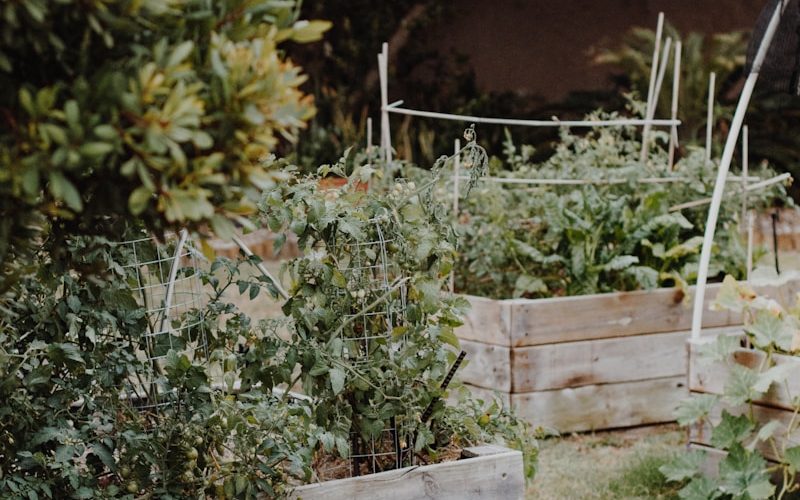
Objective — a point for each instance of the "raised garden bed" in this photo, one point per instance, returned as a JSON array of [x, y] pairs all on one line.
[[483, 472], [588, 362]]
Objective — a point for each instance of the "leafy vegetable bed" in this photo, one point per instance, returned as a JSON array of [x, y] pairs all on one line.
[[588, 340]]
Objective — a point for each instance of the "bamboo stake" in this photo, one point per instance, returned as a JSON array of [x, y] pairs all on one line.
[[662, 70], [745, 168], [750, 187], [456, 179], [725, 162], [383, 74], [651, 88], [581, 182], [712, 79], [676, 84], [261, 267], [750, 224], [395, 108]]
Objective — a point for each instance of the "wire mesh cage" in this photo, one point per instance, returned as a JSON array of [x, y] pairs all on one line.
[[164, 279], [377, 310], [377, 289]]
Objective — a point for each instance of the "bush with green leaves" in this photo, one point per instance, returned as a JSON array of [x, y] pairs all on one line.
[[164, 110], [545, 240], [742, 431]]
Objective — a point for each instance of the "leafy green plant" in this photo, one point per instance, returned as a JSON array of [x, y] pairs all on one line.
[[168, 111], [745, 472], [373, 331], [555, 240]]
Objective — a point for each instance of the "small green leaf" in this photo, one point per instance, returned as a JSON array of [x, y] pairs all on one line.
[[62, 189], [731, 431], [792, 458], [95, 149], [683, 466], [337, 377], [695, 408], [139, 199]]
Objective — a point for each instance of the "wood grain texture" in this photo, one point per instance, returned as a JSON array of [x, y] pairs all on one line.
[[589, 317], [493, 476], [590, 362], [488, 321], [488, 366], [711, 377], [606, 406]]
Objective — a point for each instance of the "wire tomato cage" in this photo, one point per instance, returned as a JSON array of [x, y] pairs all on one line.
[[164, 279]]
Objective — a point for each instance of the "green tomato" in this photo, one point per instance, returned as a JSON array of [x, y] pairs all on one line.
[[125, 471], [132, 487]]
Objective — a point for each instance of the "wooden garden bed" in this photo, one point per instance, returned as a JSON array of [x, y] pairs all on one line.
[[588, 362], [484, 472]]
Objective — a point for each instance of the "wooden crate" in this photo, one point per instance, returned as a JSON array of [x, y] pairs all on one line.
[[776, 404], [589, 362], [483, 473]]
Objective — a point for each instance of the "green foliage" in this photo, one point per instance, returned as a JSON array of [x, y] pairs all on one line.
[[556, 240], [738, 429], [168, 111], [373, 333]]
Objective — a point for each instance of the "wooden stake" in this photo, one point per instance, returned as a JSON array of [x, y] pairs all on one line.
[[676, 85], [651, 88], [456, 178], [383, 74], [712, 79]]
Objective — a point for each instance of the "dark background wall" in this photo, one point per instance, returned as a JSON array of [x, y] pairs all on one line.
[[543, 47]]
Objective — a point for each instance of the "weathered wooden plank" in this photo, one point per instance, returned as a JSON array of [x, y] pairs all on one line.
[[488, 321], [587, 317], [488, 366], [569, 319], [590, 362], [606, 406], [701, 433], [710, 377], [498, 475], [487, 395]]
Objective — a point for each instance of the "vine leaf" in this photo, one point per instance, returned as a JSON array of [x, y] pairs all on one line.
[[792, 458], [695, 408], [775, 374], [683, 466], [700, 488], [739, 387], [720, 349], [731, 431], [770, 329], [764, 433], [743, 474]]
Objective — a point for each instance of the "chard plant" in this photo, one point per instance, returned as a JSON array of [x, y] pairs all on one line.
[[554, 240], [762, 459]]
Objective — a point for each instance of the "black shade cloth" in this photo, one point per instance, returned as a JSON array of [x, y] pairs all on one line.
[[780, 71]]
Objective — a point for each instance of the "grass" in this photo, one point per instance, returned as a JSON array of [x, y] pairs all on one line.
[[608, 465]]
